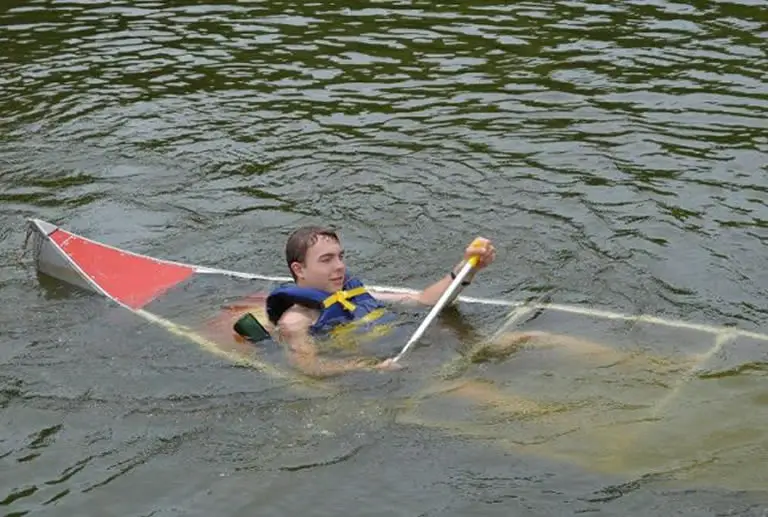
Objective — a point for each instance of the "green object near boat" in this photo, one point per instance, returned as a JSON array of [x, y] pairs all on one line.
[[250, 328]]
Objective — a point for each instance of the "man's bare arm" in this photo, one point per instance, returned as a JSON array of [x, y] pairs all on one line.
[[302, 351], [428, 296], [480, 248]]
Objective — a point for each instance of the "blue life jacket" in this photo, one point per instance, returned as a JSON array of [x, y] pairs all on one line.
[[352, 304]]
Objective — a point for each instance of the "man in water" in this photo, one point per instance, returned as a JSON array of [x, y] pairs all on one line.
[[325, 305], [324, 298]]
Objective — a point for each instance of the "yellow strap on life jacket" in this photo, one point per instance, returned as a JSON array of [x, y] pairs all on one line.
[[345, 337], [343, 297]]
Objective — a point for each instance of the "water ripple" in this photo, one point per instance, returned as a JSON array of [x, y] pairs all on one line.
[[663, 103], [616, 151]]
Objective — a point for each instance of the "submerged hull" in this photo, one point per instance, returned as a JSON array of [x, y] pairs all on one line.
[[133, 280], [600, 427]]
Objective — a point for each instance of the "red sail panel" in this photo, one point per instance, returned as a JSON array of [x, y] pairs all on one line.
[[133, 280]]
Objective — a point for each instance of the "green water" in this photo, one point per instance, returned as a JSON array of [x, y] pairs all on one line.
[[616, 153]]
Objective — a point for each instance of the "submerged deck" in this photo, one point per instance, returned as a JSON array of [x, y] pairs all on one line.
[[679, 400]]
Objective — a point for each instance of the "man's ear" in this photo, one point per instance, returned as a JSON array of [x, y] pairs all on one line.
[[297, 269]]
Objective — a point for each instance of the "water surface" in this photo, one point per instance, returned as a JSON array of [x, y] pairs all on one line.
[[617, 155]]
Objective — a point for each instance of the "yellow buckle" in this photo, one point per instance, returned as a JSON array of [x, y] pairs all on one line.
[[343, 297]]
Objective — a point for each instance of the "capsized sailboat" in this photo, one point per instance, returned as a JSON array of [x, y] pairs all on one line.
[[133, 280], [597, 436]]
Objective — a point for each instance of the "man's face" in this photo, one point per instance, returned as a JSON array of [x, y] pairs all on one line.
[[323, 267]]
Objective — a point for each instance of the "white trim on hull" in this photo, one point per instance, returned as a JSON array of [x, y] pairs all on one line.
[[53, 262]]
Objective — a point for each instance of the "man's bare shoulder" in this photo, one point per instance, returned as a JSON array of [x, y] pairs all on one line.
[[296, 320], [293, 329]]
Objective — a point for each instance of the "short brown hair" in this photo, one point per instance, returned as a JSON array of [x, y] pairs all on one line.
[[301, 240]]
